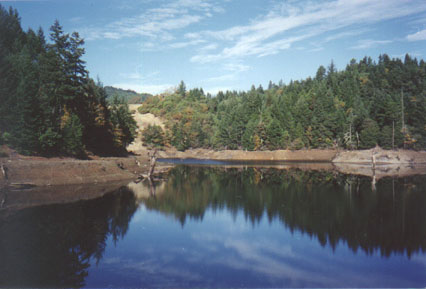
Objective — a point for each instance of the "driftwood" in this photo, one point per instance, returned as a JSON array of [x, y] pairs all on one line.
[[3, 169], [152, 162], [120, 165]]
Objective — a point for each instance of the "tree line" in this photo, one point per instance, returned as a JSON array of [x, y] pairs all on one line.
[[368, 103], [48, 103], [130, 96]]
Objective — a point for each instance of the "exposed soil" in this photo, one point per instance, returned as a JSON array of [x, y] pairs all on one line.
[[33, 181], [241, 155], [315, 155], [38, 171], [381, 156], [142, 121], [381, 170]]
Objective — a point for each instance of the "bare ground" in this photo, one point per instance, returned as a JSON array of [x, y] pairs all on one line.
[[39, 171], [241, 155], [381, 156], [32, 181], [142, 121]]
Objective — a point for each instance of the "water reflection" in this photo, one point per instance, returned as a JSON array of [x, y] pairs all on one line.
[[122, 239], [52, 246], [329, 206]]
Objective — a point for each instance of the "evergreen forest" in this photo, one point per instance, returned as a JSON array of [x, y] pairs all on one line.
[[50, 106], [48, 103], [130, 96], [368, 103]]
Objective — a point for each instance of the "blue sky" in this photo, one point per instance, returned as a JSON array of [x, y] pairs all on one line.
[[151, 45]]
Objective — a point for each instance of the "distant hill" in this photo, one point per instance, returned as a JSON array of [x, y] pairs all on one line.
[[130, 96]]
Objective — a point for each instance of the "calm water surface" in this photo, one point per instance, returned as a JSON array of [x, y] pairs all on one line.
[[226, 227]]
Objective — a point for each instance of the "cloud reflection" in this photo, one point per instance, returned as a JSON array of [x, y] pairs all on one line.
[[280, 263]]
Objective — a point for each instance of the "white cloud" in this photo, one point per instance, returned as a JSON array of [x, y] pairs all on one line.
[[157, 24], [420, 35], [205, 58], [112, 35], [236, 67], [292, 22], [369, 43], [186, 43], [345, 34], [145, 88], [192, 35], [148, 46], [138, 75], [211, 46]]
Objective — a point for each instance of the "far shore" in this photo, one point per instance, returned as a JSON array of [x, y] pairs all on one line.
[[378, 155], [38, 171]]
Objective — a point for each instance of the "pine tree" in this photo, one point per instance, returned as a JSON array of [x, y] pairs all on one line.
[[181, 88], [124, 125], [369, 134], [72, 131]]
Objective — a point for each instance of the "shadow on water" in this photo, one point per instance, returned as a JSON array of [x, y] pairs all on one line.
[[52, 246]]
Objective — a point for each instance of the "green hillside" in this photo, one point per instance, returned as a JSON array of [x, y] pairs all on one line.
[[368, 103], [130, 96]]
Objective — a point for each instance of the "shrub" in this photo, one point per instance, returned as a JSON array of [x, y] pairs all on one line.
[[153, 136]]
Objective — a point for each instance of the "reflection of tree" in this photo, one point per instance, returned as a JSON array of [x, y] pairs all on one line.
[[52, 246], [333, 208]]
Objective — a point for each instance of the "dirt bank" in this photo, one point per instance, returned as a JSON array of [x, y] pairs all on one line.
[[240, 155], [381, 156], [316, 155], [35, 171], [56, 171]]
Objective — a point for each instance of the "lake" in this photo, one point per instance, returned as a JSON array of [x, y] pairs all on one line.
[[225, 226]]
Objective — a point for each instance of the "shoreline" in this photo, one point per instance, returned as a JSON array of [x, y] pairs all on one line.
[[365, 157], [33, 181], [37, 171], [44, 172]]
